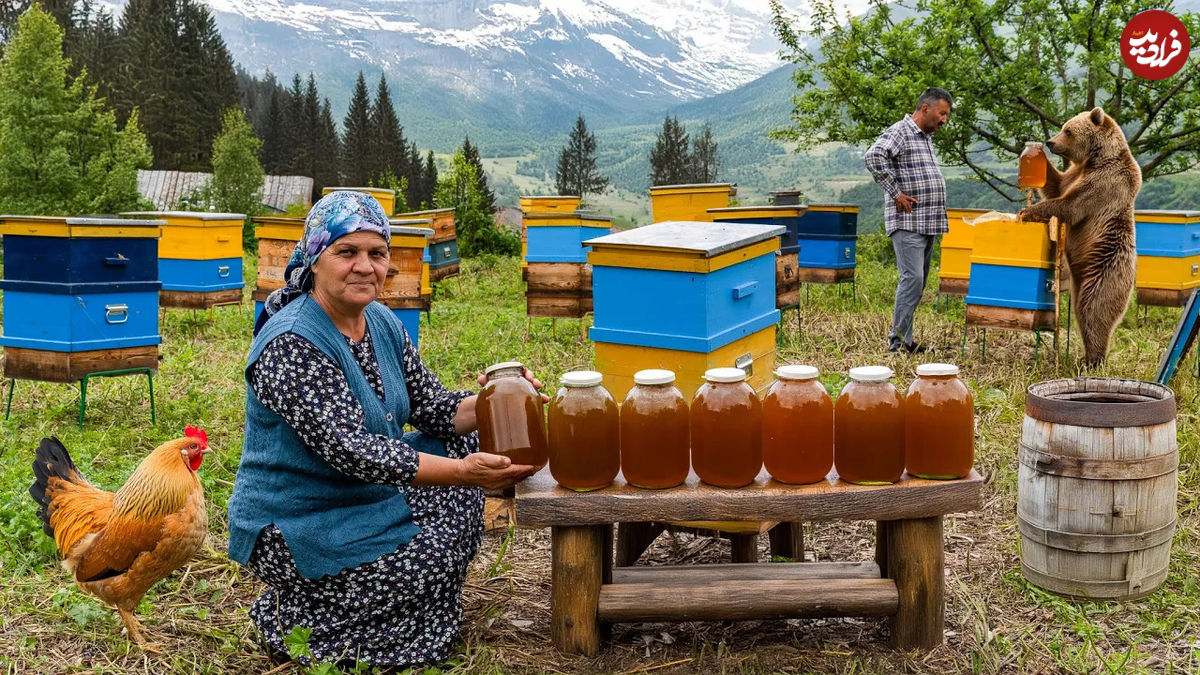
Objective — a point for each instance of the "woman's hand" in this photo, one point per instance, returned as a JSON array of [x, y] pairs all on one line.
[[492, 472], [537, 384]]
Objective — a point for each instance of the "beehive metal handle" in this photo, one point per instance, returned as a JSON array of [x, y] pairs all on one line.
[[115, 314], [1195, 269], [116, 261], [223, 238], [746, 363], [446, 253], [743, 290], [223, 271]]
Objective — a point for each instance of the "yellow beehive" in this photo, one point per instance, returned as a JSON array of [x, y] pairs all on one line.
[[387, 198], [955, 268], [619, 363], [549, 203], [197, 235], [1165, 273], [1011, 243], [689, 202]]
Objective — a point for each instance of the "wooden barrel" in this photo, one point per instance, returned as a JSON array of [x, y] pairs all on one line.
[[1097, 483]]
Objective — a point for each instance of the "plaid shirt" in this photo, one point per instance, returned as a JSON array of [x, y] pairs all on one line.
[[902, 160]]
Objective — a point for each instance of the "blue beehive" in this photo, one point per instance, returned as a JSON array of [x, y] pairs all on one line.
[[1168, 248], [76, 286], [557, 237], [829, 220], [1011, 266], [200, 257], [788, 217], [835, 252]]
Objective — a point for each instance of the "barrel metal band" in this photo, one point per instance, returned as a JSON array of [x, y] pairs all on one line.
[[1121, 588], [1098, 469], [1139, 412], [1078, 542]]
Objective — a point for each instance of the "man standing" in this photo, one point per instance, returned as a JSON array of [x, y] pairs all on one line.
[[914, 210]]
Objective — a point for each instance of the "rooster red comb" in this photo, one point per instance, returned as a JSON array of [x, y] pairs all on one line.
[[197, 433]]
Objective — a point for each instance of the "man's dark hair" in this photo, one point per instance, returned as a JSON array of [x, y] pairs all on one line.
[[932, 95]]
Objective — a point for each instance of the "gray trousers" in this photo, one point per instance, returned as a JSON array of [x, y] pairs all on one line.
[[913, 253]]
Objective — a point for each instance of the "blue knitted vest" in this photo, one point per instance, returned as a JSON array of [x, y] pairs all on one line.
[[330, 521]]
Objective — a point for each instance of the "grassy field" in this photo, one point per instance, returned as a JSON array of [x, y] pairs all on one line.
[[995, 622]]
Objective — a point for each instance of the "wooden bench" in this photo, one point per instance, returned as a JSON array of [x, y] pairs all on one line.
[[904, 583]]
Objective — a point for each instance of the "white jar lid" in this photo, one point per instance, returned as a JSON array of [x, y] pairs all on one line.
[[796, 372], [871, 374], [937, 369], [501, 366], [725, 375], [653, 376], [581, 378]]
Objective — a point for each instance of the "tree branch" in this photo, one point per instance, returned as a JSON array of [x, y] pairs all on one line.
[[1157, 106], [989, 178], [1149, 167], [994, 139]]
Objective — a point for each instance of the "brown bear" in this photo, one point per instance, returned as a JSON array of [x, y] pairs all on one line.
[[1094, 197]]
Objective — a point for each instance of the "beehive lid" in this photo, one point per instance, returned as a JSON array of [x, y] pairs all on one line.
[[834, 207], [426, 212], [279, 220], [566, 218], [695, 187], [70, 226], [1165, 216], [185, 215], [410, 226], [706, 240], [770, 211], [365, 190]]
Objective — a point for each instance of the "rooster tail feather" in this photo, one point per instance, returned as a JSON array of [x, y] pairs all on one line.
[[51, 461]]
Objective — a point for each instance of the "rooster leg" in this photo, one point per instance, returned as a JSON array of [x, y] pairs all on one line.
[[132, 626]]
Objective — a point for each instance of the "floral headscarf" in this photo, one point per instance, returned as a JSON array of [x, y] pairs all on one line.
[[336, 215]]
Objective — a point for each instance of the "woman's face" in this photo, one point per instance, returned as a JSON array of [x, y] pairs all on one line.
[[352, 269]]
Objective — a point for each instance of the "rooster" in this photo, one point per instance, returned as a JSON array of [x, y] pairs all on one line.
[[118, 545]]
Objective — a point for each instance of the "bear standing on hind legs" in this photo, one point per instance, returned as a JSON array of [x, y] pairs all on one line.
[[1094, 197]]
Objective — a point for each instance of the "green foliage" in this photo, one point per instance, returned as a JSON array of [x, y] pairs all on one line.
[[389, 181], [1016, 70], [356, 137], [471, 154], [576, 173], [60, 147], [237, 180], [672, 163], [704, 160], [475, 225]]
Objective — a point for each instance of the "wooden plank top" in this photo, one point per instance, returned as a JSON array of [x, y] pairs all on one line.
[[705, 239], [540, 502]]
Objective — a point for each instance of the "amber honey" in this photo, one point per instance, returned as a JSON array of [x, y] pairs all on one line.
[[1031, 170], [797, 427], [654, 432], [726, 425], [939, 423], [584, 433], [868, 426], [509, 413]]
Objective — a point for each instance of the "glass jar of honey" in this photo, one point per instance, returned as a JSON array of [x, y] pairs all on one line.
[[726, 423], [654, 431], [509, 412], [1031, 168], [584, 433], [797, 426], [939, 423], [868, 428]]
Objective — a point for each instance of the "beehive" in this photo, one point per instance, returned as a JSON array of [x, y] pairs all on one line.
[[689, 203], [443, 245], [787, 279], [558, 277], [80, 296], [199, 257], [539, 204], [684, 296], [1168, 248], [402, 289], [1012, 270], [277, 237], [957, 243], [785, 197], [386, 198]]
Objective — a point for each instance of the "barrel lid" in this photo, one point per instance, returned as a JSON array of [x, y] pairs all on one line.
[[937, 369], [581, 378], [501, 366], [1100, 402], [652, 376], [725, 375], [796, 372], [870, 373]]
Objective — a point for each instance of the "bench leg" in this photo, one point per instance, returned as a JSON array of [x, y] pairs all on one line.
[[881, 546], [745, 547], [577, 570], [787, 541], [915, 561], [633, 539]]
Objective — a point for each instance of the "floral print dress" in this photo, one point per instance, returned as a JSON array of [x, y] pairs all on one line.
[[405, 607]]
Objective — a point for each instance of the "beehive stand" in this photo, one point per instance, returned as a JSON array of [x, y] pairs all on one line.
[[905, 583], [1010, 318]]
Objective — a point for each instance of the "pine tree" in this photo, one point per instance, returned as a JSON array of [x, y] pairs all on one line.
[[389, 149], [471, 154], [429, 181], [275, 154], [704, 160], [237, 180], [576, 174], [414, 171], [96, 49], [356, 137], [176, 68], [60, 147], [669, 159], [328, 149]]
